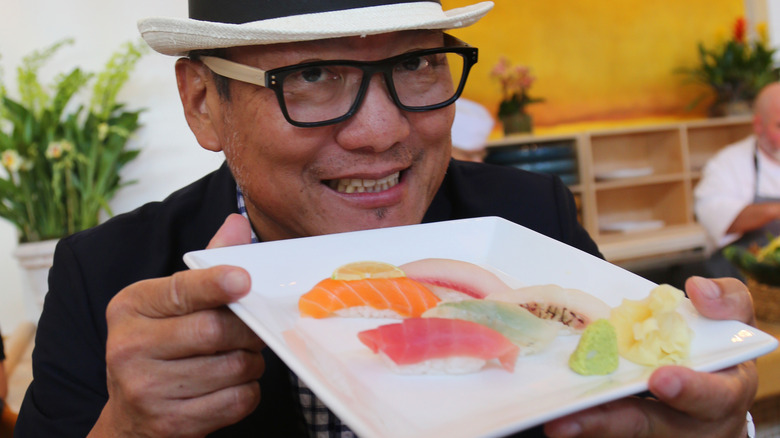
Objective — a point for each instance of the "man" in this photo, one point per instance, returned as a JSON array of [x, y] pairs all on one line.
[[131, 343], [738, 197]]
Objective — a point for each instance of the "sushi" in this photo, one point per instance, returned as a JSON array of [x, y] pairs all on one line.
[[572, 308], [530, 333], [454, 280], [439, 346], [399, 297]]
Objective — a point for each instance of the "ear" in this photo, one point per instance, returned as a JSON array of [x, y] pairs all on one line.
[[757, 124], [200, 101]]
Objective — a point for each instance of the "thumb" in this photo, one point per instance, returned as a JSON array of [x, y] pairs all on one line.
[[721, 298], [236, 230]]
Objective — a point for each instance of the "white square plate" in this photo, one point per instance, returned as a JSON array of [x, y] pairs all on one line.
[[375, 402]]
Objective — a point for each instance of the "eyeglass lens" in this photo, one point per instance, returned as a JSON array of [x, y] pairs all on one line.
[[319, 93]]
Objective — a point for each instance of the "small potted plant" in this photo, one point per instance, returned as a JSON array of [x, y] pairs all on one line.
[[60, 158], [735, 71], [515, 82], [761, 267]]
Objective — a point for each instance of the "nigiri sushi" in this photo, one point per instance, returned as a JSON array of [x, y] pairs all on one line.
[[454, 280], [530, 333], [439, 346], [399, 297], [573, 308]]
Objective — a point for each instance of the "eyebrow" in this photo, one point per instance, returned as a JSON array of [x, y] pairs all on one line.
[[256, 76]]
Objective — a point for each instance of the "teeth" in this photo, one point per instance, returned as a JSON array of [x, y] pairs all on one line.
[[357, 185]]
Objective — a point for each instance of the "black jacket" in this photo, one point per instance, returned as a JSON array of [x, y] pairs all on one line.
[[69, 386]]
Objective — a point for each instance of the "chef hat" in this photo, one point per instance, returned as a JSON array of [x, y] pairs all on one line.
[[472, 125]]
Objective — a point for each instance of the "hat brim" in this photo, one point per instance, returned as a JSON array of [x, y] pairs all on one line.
[[178, 36]]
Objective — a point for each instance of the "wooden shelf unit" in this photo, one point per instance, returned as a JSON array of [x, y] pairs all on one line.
[[664, 164]]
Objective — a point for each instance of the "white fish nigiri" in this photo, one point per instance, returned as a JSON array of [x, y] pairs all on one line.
[[453, 280], [530, 333], [573, 308]]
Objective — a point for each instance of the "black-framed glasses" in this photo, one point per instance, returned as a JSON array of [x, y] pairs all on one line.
[[327, 92]]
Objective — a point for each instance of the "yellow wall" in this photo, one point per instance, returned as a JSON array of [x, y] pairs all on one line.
[[598, 60]]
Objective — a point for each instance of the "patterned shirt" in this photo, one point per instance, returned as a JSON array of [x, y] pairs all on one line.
[[321, 422]]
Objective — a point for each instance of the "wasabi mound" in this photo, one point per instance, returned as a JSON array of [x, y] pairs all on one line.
[[597, 351]]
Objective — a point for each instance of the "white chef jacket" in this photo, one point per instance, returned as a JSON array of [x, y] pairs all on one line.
[[728, 185]]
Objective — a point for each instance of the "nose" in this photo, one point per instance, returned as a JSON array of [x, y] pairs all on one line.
[[378, 123]]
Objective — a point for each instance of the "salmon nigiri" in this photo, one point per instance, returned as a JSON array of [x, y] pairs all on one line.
[[440, 346], [399, 297]]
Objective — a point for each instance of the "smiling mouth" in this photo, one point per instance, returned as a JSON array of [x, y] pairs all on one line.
[[358, 185]]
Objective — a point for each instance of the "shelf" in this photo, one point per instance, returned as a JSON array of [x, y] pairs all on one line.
[[671, 239], [704, 140], [657, 149], [640, 181], [637, 175]]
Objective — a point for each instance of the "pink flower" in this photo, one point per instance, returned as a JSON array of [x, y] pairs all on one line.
[[515, 82], [500, 69]]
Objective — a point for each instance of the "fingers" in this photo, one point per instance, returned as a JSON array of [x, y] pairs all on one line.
[[197, 334], [190, 291], [690, 404], [178, 361], [207, 414], [236, 230], [220, 371], [721, 298], [194, 417], [183, 293], [621, 418], [215, 372], [706, 396]]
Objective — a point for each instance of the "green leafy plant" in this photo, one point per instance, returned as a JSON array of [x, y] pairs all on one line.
[[762, 263], [515, 82], [736, 69], [60, 159]]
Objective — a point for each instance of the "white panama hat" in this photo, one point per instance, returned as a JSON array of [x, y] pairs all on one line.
[[229, 23]]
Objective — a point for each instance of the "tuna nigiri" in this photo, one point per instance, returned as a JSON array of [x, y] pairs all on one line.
[[439, 346], [399, 297]]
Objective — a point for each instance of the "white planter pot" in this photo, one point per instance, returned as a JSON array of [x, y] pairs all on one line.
[[36, 259]]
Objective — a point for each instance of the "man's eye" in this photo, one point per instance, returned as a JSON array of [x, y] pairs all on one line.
[[312, 74], [414, 64]]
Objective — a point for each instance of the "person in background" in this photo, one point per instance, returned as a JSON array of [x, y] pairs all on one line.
[[470, 130], [333, 116], [7, 417], [737, 199]]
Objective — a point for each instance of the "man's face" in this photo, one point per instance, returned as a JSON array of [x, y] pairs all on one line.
[[297, 180]]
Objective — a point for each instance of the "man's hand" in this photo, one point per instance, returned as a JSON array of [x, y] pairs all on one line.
[[179, 362], [690, 404]]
